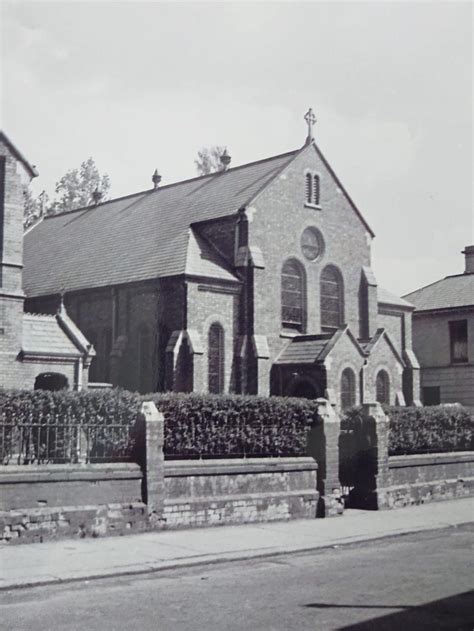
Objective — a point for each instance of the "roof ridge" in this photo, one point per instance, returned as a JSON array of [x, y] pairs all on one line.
[[171, 184]]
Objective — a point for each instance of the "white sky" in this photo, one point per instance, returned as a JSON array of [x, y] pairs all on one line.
[[144, 85]]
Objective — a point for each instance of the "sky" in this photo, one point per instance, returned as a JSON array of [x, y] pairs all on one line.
[[140, 85]]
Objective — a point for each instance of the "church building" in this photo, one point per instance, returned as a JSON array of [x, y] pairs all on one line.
[[255, 279], [36, 350]]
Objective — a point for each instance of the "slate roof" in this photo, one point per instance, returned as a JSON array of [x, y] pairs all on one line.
[[386, 297], [448, 293], [43, 335], [304, 349], [142, 236]]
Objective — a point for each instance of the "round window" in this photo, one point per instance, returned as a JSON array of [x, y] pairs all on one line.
[[312, 244]]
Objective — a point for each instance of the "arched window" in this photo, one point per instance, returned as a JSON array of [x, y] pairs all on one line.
[[348, 389], [293, 295], [383, 387], [216, 358], [309, 188], [332, 298]]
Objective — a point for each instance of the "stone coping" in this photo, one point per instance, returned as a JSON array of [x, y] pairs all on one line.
[[71, 472], [423, 460], [180, 468]]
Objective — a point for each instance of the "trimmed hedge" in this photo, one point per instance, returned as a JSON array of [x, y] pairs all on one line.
[[196, 426], [209, 426], [442, 428]]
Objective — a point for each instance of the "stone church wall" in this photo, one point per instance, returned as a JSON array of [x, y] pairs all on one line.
[[276, 222], [207, 304]]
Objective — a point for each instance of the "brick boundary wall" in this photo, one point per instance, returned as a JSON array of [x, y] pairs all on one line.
[[428, 478], [217, 492], [43, 502], [381, 481]]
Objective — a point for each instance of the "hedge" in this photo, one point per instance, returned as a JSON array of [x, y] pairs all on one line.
[[234, 425], [196, 425], [442, 428]]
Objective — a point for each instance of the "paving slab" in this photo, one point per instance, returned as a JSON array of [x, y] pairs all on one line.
[[85, 559]]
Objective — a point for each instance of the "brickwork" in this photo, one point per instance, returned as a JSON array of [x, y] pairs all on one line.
[[208, 304], [204, 493], [382, 357], [323, 446], [185, 306], [276, 221], [69, 522], [429, 478]]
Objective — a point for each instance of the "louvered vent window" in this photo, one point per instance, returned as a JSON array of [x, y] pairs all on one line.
[[332, 298], [292, 296], [316, 190], [309, 188]]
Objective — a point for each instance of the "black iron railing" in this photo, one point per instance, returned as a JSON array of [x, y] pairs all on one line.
[[56, 443]]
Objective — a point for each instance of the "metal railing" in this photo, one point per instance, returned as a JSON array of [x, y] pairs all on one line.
[[55, 443]]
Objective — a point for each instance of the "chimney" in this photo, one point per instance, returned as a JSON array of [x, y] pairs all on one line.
[[469, 257]]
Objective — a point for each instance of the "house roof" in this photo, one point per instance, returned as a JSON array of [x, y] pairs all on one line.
[[448, 293], [18, 155], [42, 335], [141, 236], [387, 298]]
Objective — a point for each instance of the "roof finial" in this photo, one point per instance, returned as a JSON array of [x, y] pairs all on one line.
[[156, 179], [96, 196], [310, 119], [225, 159]]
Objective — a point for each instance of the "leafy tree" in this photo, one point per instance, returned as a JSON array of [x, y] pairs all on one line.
[[209, 160], [34, 208], [75, 188]]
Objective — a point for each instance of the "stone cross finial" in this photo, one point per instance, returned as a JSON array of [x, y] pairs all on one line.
[[310, 119]]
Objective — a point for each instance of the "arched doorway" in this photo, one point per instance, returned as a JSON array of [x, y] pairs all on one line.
[[51, 381]]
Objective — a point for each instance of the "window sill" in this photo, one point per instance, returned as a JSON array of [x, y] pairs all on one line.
[[313, 206]]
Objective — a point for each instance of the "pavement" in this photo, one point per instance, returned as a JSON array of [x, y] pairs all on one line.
[[86, 559]]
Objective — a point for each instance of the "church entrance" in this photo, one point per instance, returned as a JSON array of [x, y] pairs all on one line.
[[51, 381], [305, 389]]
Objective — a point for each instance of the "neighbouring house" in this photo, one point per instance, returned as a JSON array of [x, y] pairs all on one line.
[[36, 350], [255, 279], [443, 336]]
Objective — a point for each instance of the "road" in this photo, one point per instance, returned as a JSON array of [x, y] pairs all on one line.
[[414, 582]]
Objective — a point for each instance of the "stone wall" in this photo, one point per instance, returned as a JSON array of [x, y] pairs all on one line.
[[40, 502], [429, 477], [216, 492]]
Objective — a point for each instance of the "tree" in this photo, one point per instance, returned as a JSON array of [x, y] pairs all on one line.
[[75, 188], [34, 208], [209, 160]]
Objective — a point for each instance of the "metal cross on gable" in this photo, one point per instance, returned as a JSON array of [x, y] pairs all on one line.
[[310, 119]]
